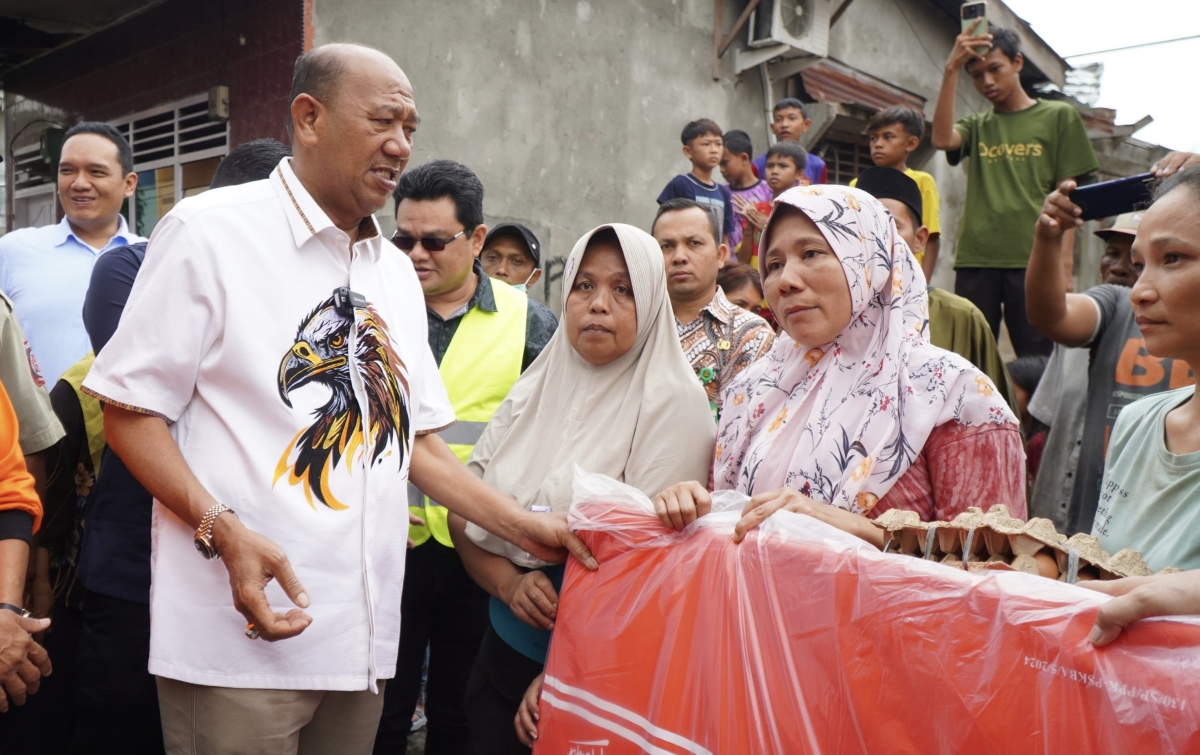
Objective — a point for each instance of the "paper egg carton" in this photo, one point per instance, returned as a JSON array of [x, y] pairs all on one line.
[[996, 540]]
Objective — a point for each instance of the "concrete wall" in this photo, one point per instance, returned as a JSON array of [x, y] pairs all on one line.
[[570, 112]]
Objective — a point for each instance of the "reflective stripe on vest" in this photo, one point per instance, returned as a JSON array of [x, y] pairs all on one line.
[[478, 369]]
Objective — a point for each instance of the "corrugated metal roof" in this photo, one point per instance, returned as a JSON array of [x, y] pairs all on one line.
[[831, 81]]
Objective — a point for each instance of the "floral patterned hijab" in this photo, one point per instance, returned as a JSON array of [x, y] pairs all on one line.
[[842, 421]]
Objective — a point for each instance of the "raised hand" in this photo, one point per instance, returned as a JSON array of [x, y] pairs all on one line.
[[964, 50], [1059, 214]]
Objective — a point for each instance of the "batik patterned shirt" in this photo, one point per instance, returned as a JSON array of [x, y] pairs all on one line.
[[724, 340]]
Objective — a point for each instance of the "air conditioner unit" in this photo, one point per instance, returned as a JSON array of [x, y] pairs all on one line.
[[801, 24]]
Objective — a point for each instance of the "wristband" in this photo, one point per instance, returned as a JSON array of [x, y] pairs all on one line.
[[22, 612]]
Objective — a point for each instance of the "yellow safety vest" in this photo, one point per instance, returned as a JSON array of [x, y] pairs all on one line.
[[480, 366]]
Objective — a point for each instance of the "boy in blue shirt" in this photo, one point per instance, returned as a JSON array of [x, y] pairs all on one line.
[[789, 122], [703, 146]]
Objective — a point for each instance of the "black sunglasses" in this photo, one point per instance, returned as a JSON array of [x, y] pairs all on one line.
[[408, 243]]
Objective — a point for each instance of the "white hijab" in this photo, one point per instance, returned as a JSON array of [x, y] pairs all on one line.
[[643, 418]]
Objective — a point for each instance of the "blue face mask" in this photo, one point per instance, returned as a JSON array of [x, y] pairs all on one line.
[[525, 285]]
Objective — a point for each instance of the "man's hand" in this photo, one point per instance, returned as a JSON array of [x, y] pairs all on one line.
[[1059, 213], [532, 599], [527, 714], [1174, 162], [765, 504], [23, 662], [682, 503], [1142, 597], [964, 51], [414, 521], [252, 561], [546, 536], [41, 597]]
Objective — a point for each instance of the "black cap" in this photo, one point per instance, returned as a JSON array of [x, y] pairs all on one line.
[[889, 183], [522, 233]]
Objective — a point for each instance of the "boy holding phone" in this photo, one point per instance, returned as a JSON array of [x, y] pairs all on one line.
[[1019, 150]]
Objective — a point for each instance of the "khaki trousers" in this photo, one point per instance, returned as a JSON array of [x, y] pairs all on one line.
[[200, 720]]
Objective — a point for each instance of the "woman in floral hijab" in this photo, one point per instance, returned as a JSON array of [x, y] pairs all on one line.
[[854, 412]]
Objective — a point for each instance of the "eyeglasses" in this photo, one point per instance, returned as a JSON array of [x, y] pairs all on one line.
[[408, 243]]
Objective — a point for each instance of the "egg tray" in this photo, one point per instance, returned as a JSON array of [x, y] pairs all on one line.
[[995, 540]]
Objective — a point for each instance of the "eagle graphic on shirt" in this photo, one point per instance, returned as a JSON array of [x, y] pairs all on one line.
[[321, 354]]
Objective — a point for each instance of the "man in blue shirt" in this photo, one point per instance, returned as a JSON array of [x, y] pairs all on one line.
[[45, 271]]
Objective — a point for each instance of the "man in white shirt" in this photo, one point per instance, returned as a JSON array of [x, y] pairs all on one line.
[[45, 271], [286, 342]]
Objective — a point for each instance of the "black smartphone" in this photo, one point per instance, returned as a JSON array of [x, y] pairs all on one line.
[[1110, 198]]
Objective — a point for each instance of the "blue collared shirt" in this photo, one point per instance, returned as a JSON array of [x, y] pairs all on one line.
[[45, 271]]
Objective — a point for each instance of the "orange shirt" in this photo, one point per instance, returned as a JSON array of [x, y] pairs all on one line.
[[16, 484]]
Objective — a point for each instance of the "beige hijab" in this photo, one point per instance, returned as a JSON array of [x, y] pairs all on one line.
[[642, 419]]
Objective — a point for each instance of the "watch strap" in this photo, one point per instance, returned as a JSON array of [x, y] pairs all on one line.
[[204, 531], [22, 612]]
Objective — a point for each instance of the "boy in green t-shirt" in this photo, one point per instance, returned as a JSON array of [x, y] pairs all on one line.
[[1020, 150]]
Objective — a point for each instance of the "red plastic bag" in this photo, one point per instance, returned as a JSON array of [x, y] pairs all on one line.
[[803, 639]]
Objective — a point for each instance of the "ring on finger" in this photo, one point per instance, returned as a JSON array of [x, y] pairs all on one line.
[[252, 632]]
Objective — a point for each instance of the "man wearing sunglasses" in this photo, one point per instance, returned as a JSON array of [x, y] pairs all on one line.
[[483, 333]]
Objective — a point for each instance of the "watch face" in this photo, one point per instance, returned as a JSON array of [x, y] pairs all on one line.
[[204, 548]]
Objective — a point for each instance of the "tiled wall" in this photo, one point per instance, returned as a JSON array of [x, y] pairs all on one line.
[[179, 48]]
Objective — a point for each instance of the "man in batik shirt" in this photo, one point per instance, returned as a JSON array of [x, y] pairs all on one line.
[[719, 338]]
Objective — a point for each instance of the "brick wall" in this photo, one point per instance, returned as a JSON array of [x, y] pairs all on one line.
[[177, 49]]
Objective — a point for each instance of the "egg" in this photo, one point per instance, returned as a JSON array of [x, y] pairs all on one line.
[[1047, 564]]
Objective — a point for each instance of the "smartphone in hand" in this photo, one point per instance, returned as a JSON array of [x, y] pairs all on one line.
[[1110, 198], [971, 12]]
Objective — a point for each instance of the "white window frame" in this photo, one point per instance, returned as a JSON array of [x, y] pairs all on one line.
[[177, 159]]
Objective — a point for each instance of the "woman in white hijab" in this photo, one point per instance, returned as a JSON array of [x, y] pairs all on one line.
[[612, 393]]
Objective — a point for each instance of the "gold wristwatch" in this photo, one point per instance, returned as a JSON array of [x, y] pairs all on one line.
[[204, 541]]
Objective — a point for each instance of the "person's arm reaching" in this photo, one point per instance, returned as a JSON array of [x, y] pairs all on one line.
[[441, 476], [1174, 162], [528, 594], [1066, 318], [1142, 597], [945, 136], [1067, 257], [150, 453], [763, 505]]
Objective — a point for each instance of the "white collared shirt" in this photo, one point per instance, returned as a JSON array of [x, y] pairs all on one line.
[[231, 336], [46, 271]]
